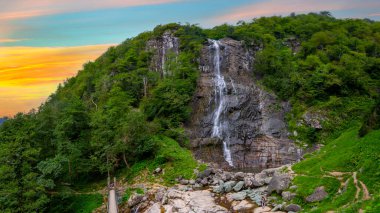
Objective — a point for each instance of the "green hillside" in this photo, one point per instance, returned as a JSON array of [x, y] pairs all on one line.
[[107, 120]]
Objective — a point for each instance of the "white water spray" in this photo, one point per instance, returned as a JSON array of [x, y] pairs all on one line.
[[220, 93]]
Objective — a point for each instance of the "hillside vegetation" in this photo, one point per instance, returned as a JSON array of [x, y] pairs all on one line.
[[119, 117]]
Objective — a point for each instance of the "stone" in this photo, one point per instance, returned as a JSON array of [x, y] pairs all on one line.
[[278, 183], [248, 182], [256, 194], [227, 186], [237, 196], [238, 186], [243, 206], [183, 182], [259, 179], [178, 203], [318, 195], [205, 173], [278, 207], [262, 210], [168, 208], [313, 119], [135, 199], [218, 189], [286, 195], [197, 186], [239, 176], [191, 182], [159, 195], [258, 183], [155, 208], [226, 177], [293, 208], [204, 182], [294, 187], [157, 170]]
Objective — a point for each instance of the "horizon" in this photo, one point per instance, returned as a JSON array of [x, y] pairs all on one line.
[[43, 44]]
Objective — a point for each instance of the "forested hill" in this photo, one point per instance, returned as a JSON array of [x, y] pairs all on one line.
[[119, 116]]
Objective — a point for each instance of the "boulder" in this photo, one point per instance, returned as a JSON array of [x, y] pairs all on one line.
[[155, 208], [229, 185], [184, 182], [278, 207], [293, 208], [255, 194], [238, 186], [237, 196], [248, 182], [205, 173], [287, 195], [204, 182], [243, 206], [318, 195], [262, 209], [159, 195], [218, 189], [226, 176], [239, 176], [191, 182], [278, 183], [135, 199]]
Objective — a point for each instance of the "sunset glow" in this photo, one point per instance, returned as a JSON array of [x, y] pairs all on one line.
[[29, 74], [43, 42]]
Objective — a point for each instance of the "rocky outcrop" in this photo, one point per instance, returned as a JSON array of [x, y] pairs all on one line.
[[318, 195], [162, 47], [252, 119]]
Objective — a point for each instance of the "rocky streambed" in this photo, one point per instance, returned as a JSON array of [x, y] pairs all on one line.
[[215, 190]]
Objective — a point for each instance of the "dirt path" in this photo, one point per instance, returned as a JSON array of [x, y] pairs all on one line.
[[356, 185], [359, 185], [366, 195]]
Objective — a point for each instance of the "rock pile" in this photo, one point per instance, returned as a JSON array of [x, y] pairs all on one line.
[[215, 190]]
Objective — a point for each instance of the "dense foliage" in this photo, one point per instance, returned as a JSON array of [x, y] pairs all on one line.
[[106, 118], [118, 116]]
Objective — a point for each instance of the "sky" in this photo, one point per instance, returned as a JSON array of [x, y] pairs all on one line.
[[43, 42]]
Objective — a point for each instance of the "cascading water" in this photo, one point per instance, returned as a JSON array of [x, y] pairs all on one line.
[[220, 102]]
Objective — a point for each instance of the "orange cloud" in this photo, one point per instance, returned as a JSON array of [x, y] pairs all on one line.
[[28, 75], [8, 40], [281, 7]]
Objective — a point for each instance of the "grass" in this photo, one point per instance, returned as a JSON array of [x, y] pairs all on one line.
[[129, 191], [171, 157], [78, 203], [347, 153]]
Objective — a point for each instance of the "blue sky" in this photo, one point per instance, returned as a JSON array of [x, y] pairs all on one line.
[[43, 42], [74, 26]]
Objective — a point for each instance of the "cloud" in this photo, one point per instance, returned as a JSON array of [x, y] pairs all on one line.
[[374, 14], [28, 75], [281, 7], [19, 9], [9, 40]]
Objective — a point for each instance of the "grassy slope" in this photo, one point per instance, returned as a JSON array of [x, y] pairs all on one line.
[[348, 153], [173, 159]]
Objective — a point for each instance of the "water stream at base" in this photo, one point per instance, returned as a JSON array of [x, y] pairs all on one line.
[[220, 102]]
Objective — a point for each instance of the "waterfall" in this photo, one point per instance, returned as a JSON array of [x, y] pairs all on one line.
[[220, 102]]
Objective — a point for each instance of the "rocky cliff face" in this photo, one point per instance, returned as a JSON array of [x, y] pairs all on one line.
[[235, 124], [161, 48]]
